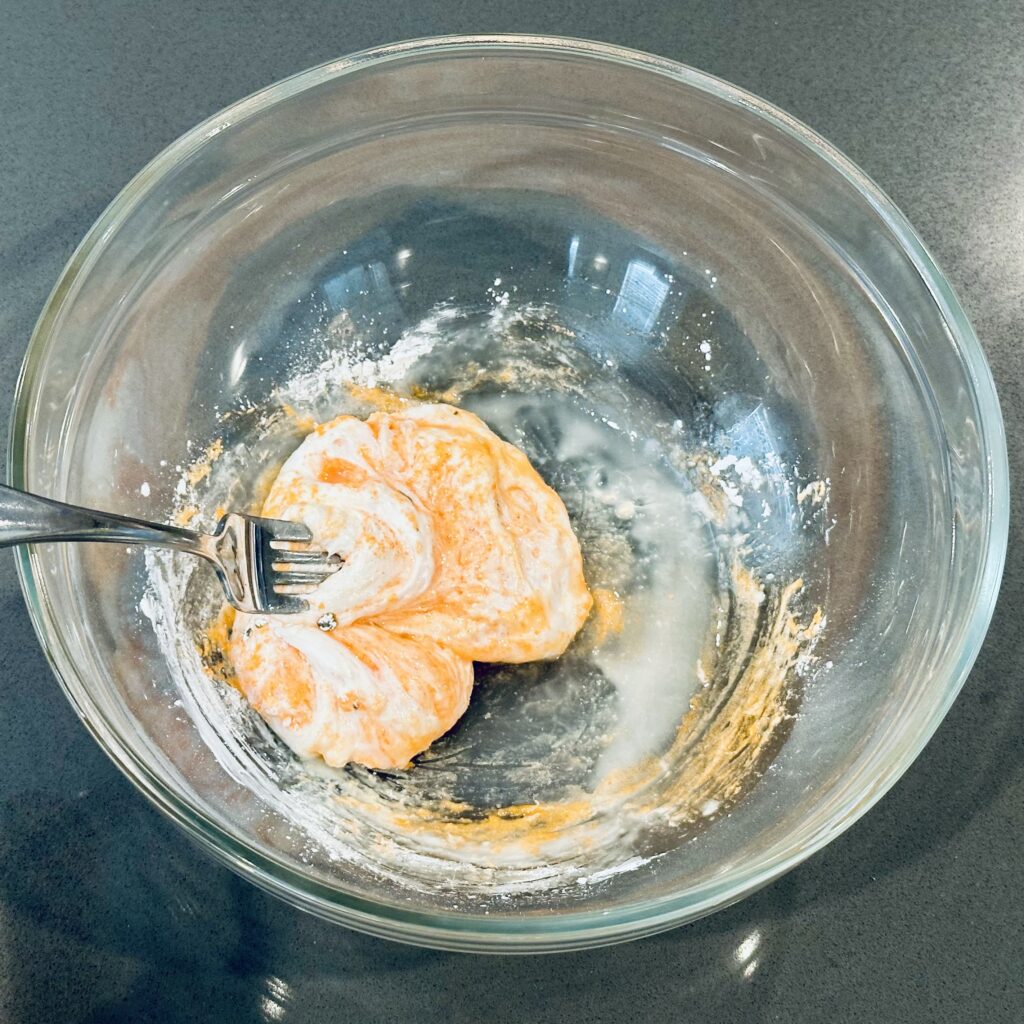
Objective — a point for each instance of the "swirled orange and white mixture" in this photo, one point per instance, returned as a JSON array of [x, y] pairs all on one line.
[[455, 551]]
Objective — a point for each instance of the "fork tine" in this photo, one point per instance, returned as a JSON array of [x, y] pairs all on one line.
[[306, 557], [283, 530], [307, 578], [288, 604]]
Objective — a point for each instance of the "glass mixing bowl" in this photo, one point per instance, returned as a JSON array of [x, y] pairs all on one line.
[[719, 272]]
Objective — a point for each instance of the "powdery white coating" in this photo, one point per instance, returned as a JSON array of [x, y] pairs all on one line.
[[455, 550], [652, 664], [343, 364]]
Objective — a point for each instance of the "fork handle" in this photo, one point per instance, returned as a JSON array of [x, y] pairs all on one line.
[[27, 518]]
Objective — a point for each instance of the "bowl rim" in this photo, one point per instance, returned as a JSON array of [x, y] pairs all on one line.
[[459, 931]]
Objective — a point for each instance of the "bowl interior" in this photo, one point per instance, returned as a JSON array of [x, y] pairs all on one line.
[[552, 230]]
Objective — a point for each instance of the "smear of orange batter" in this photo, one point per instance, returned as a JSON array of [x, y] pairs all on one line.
[[184, 516], [609, 616], [303, 421], [380, 398], [213, 644], [200, 469]]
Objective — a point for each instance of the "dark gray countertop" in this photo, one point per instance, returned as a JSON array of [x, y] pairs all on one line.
[[107, 913]]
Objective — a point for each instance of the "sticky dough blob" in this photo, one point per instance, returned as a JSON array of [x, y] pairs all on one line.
[[455, 551]]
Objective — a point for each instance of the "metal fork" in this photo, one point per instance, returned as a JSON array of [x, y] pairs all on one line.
[[258, 569]]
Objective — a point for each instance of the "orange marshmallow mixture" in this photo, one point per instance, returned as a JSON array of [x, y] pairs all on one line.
[[455, 551]]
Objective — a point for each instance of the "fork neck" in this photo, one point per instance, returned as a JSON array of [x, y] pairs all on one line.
[[28, 518]]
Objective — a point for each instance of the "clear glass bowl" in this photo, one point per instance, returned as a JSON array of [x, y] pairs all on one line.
[[626, 193]]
